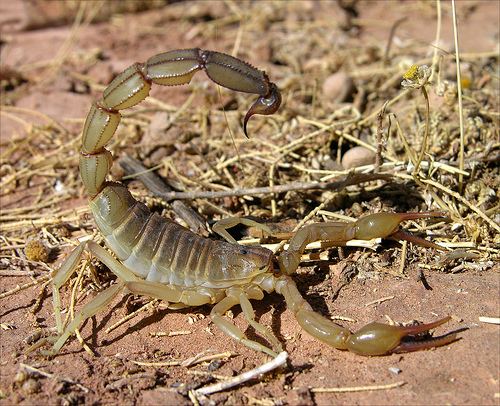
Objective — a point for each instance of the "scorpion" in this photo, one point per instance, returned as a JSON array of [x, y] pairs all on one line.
[[161, 259]]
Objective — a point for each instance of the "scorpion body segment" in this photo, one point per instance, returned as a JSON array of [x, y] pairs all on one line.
[[161, 259]]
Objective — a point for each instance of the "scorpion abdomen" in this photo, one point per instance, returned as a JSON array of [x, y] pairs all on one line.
[[160, 250]]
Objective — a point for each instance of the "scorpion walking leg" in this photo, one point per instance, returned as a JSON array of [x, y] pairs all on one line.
[[171, 293], [99, 302], [222, 225], [64, 272], [200, 297], [237, 296], [246, 306], [70, 265]]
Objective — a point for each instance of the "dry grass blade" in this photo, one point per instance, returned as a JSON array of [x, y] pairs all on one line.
[[459, 91], [368, 388]]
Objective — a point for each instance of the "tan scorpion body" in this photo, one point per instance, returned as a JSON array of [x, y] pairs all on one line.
[[161, 259]]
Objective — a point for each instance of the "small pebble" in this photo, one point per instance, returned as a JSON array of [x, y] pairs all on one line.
[[338, 87], [395, 370], [358, 156]]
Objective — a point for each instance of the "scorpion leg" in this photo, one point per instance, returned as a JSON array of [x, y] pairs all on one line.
[[222, 225], [200, 297], [67, 268], [173, 294], [246, 306], [60, 277], [98, 303], [372, 339], [129, 281], [237, 296]]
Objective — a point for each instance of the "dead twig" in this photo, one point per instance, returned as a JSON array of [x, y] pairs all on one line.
[[276, 362], [489, 320], [159, 188], [295, 186]]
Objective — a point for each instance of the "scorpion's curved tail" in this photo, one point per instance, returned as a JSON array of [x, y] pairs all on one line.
[[170, 68]]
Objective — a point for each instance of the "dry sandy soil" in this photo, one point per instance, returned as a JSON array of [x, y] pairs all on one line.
[[56, 59]]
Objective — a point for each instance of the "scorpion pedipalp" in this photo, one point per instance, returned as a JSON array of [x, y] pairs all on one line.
[[371, 340]]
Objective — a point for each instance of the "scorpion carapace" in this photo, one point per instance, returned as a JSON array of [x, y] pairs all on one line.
[[161, 259]]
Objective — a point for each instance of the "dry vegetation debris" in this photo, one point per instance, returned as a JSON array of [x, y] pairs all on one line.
[[346, 115]]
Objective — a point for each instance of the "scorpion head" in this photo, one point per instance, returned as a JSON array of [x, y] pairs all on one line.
[[231, 262], [253, 260]]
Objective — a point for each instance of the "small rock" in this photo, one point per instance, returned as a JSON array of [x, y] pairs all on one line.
[[338, 87], [31, 386], [395, 370], [358, 156]]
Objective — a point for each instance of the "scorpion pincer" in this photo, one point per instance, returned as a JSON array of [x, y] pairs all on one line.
[[161, 259]]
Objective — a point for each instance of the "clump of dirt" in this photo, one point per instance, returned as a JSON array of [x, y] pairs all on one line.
[[371, 121]]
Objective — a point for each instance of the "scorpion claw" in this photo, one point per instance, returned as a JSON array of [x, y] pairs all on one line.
[[264, 105], [418, 345], [371, 340], [403, 235], [384, 339]]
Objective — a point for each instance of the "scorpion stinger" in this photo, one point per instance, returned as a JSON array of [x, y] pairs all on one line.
[[264, 105]]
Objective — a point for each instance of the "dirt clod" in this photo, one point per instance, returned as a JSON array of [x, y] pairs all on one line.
[[36, 250]]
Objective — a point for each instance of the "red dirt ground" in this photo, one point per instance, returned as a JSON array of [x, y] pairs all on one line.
[[465, 372]]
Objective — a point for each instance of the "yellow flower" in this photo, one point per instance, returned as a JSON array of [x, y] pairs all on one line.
[[416, 77]]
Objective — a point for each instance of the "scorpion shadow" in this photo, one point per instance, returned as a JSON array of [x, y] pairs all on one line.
[[273, 303]]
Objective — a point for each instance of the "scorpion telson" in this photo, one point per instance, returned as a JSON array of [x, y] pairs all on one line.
[[161, 259]]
